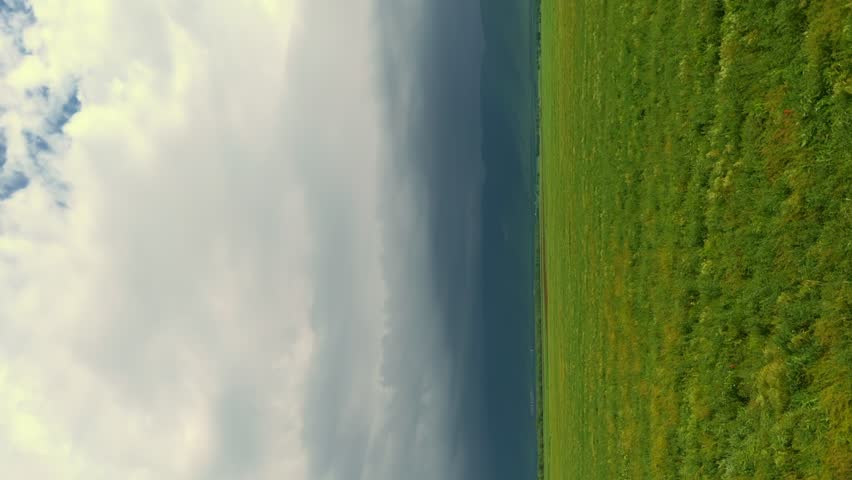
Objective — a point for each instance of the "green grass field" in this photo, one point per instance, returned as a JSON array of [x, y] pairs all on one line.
[[696, 239]]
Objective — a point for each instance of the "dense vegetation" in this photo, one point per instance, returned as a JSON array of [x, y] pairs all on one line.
[[696, 239]]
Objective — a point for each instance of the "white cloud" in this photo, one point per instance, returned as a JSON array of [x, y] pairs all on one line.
[[164, 314], [195, 284]]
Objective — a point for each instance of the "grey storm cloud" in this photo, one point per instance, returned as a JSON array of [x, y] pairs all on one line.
[[426, 62], [429, 62]]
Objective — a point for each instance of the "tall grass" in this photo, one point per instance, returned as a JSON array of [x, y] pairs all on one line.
[[696, 212]]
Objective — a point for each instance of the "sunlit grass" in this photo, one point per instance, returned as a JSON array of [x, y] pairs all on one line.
[[696, 239]]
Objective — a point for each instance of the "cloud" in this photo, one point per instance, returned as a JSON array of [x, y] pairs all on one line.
[[246, 237], [423, 420], [432, 54], [156, 297], [9, 184]]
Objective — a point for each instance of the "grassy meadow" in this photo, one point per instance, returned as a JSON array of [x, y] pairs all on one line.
[[695, 239]]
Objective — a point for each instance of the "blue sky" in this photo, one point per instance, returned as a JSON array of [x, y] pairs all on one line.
[[218, 239]]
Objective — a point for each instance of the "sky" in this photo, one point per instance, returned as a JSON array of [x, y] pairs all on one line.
[[239, 240]]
